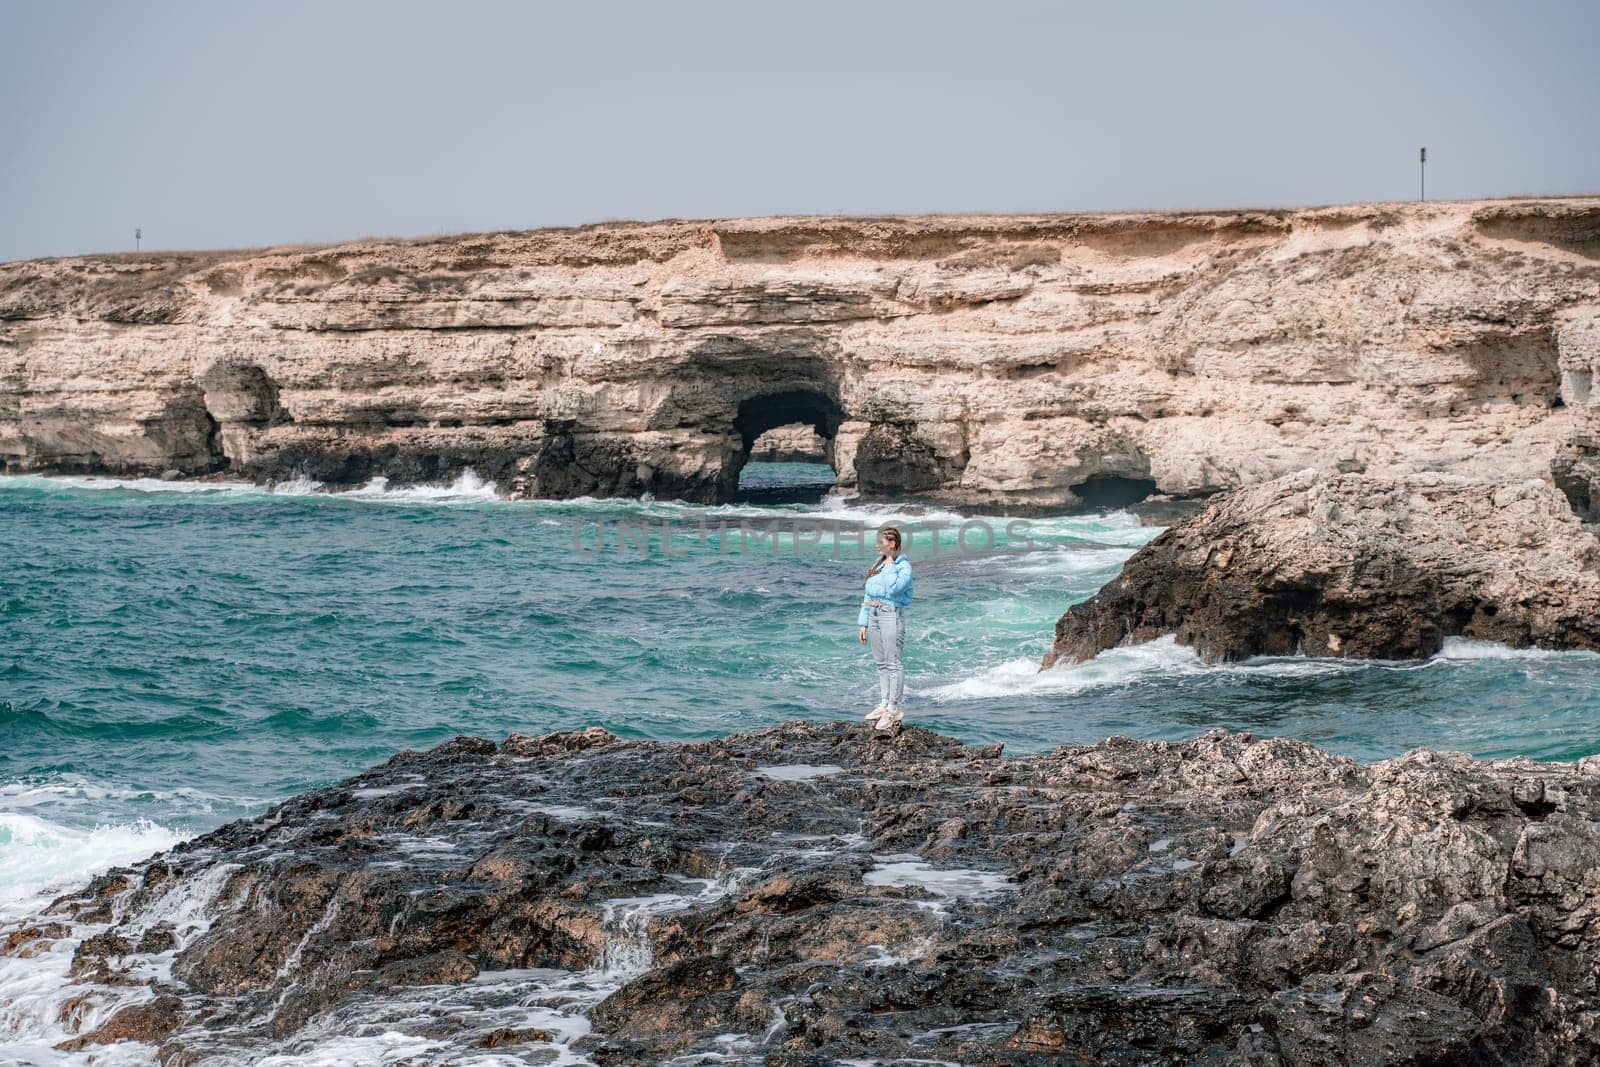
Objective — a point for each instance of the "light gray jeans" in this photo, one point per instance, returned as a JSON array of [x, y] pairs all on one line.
[[886, 636]]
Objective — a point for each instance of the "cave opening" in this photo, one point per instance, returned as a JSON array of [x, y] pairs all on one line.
[[785, 451], [1109, 492]]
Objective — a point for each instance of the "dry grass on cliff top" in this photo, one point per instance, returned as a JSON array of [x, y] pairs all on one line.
[[206, 257]]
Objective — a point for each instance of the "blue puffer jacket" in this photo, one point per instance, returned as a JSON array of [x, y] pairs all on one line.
[[892, 585]]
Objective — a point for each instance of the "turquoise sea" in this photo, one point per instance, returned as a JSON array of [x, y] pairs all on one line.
[[173, 656]]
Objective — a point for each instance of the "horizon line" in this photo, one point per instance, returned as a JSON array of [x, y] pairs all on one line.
[[422, 238]]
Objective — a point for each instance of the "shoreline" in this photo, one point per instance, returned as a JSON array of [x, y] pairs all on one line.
[[687, 887]]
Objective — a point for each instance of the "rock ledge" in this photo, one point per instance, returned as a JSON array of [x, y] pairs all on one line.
[[804, 895], [1355, 565]]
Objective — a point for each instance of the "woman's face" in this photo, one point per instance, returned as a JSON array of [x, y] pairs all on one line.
[[884, 545]]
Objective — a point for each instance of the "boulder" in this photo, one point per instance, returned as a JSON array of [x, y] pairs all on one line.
[[1354, 565]]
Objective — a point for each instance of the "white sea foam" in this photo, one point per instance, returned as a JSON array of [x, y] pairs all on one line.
[[1462, 649], [468, 487], [300, 485], [36, 990], [1115, 528], [798, 772], [55, 790], [1102, 529], [137, 485], [1163, 659], [395, 1028], [1067, 560], [389, 1046], [1118, 666], [37, 856], [575, 812], [851, 509], [627, 953], [1104, 532], [386, 1030], [943, 883], [76, 792]]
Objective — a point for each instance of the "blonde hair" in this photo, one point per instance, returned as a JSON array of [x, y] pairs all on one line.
[[892, 533]]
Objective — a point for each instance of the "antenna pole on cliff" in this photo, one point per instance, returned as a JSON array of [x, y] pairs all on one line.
[[1422, 167], [137, 233]]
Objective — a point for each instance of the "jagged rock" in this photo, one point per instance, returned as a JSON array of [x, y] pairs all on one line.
[[1354, 565], [1014, 361], [30, 940], [1222, 900], [669, 1006], [509, 1036], [1576, 472], [147, 1022], [556, 743]]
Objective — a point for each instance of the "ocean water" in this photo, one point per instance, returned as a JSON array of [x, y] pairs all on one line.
[[173, 656]]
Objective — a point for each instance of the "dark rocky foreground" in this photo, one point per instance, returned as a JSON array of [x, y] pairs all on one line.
[[808, 895]]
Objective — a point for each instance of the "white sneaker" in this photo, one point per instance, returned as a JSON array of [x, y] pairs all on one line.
[[889, 721], [873, 715]]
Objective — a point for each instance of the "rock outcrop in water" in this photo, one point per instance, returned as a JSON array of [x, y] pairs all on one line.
[[1354, 565], [808, 895], [1037, 361]]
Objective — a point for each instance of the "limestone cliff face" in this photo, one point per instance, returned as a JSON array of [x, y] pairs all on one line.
[[996, 361], [794, 443]]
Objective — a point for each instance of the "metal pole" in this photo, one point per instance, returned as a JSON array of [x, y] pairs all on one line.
[[1422, 168], [137, 233]]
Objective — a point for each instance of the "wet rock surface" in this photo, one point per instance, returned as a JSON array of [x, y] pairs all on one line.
[[1355, 565], [808, 894]]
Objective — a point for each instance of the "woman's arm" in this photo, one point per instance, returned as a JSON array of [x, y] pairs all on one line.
[[900, 577]]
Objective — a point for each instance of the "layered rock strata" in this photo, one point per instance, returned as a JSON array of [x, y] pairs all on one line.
[[807, 895], [795, 443], [998, 361], [1354, 565]]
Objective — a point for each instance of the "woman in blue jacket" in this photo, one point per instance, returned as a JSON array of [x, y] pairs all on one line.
[[883, 626]]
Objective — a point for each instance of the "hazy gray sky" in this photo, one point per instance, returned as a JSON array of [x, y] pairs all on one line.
[[219, 124]]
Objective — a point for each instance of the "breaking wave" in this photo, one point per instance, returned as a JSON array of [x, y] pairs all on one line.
[[37, 856], [1164, 660]]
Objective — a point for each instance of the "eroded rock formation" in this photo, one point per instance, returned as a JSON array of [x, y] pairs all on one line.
[[809, 895], [794, 443], [998, 361], [1355, 565]]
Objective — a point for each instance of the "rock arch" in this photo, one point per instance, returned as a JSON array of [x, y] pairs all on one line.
[[814, 406]]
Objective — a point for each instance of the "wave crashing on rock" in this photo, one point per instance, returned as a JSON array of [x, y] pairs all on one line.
[[806, 894]]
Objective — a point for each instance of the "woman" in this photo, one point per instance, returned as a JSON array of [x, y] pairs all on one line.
[[882, 624]]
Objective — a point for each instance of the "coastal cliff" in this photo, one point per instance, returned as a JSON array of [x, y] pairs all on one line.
[[1011, 361], [806, 895]]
